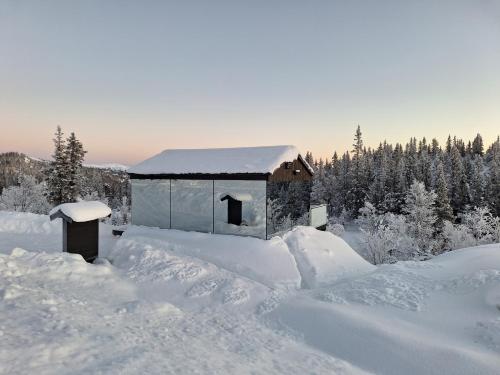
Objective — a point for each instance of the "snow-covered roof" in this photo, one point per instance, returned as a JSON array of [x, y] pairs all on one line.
[[217, 160], [81, 211]]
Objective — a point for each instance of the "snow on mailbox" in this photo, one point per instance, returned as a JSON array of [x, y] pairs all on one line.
[[81, 226]]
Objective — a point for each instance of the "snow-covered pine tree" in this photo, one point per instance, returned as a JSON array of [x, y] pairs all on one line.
[[459, 190], [493, 184], [443, 209], [477, 145], [476, 180], [421, 217], [357, 191], [74, 155], [58, 173], [378, 189]]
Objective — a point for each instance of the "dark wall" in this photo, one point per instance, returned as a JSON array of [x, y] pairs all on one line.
[[287, 172], [81, 238]]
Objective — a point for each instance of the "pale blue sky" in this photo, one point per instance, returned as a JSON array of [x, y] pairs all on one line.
[[134, 77]]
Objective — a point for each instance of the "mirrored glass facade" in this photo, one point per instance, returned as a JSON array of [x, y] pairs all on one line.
[[151, 203], [250, 197], [255, 208], [192, 205]]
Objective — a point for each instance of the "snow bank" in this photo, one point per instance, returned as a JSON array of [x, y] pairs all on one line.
[[323, 258], [432, 317], [218, 160], [83, 211], [267, 262], [27, 223], [59, 314]]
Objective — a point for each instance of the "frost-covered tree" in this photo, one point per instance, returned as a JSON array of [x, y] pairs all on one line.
[[27, 196], [459, 190], [443, 209], [58, 173], [456, 236], [481, 224], [477, 145], [74, 155], [421, 217], [493, 184], [476, 181], [357, 191]]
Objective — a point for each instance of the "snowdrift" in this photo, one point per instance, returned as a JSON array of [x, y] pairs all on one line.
[[26, 223], [432, 317], [57, 313], [267, 262], [323, 258]]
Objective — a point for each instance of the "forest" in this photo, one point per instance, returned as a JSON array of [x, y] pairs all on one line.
[[413, 200]]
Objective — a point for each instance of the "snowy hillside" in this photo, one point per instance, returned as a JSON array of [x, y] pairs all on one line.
[[163, 301]]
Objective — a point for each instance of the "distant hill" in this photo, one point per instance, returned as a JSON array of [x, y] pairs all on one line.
[[108, 180], [112, 166]]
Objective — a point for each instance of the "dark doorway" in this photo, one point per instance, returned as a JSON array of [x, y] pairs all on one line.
[[234, 208]]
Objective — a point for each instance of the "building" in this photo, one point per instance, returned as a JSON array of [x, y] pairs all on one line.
[[253, 191]]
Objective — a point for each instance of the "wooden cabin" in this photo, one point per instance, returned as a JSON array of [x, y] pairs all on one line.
[[253, 191]]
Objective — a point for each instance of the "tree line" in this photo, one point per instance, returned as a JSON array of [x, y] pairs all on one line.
[[30, 185], [463, 175], [446, 184]]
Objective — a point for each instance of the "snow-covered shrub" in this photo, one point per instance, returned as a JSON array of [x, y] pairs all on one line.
[[478, 227], [481, 224], [121, 215], [456, 236], [386, 236], [369, 219], [336, 229], [28, 196]]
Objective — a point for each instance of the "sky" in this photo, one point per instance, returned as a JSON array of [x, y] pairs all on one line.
[[132, 78]]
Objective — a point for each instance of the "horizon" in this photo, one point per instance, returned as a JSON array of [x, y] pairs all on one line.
[[442, 143], [160, 75]]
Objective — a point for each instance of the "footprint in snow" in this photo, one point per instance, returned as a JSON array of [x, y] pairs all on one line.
[[204, 288]]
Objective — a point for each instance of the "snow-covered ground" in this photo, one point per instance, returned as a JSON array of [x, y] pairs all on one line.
[[166, 301]]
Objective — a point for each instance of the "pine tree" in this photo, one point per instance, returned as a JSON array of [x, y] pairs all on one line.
[[477, 145], [476, 181], [459, 189], [58, 173], [74, 155], [444, 212], [357, 193], [419, 207], [493, 186]]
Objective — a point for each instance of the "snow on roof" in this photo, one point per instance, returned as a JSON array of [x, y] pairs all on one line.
[[217, 160], [81, 211]]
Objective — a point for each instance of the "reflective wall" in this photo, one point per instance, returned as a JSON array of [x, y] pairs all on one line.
[[287, 205], [151, 203], [252, 195], [192, 205], [197, 205]]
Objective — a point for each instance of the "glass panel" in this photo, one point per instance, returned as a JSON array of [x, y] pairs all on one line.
[[318, 216], [287, 205], [192, 205], [252, 195], [151, 203]]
